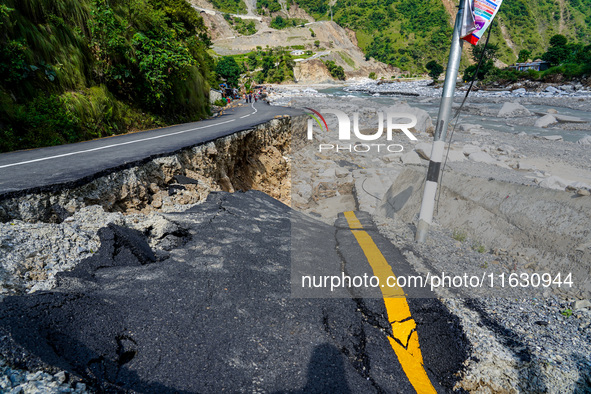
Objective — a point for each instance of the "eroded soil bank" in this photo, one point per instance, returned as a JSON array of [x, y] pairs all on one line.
[[254, 159]]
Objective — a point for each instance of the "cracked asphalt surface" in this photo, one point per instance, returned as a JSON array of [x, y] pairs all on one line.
[[218, 313]]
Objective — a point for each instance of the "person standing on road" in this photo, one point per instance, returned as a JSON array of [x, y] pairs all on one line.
[[250, 97]]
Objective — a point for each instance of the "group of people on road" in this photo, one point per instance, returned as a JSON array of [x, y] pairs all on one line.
[[256, 96]]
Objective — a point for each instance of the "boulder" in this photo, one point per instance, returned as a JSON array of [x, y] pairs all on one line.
[[586, 140], [579, 185], [568, 88], [411, 157], [454, 156], [513, 109], [569, 119], [466, 127], [551, 89], [341, 172], [545, 121], [554, 182], [327, 173], [525, 166], [391, 158], [304, 190], [506, 149], [581, 304], [424, 122], [553, 137], [502, 164]]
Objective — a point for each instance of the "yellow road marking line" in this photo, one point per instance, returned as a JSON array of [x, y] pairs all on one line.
[[406, 339], [352, 220]]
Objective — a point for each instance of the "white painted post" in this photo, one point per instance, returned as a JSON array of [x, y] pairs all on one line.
[[443, 118]]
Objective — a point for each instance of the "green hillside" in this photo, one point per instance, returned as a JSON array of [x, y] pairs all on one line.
[[408, 34], [73, 70], [531, 24]]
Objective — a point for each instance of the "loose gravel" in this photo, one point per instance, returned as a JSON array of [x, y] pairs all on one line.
[[537, 344]]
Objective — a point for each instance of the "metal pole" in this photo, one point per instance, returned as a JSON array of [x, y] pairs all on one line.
[[449, 87]]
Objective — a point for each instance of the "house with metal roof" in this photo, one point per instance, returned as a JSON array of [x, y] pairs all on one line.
[[538, 65]]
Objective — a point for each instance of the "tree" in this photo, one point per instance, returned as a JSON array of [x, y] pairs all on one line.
[[435, 70], [558, 51], [228, 69], [558, 40], [524, 55], [252, 61], [316, 43], [372, 75], [268, 63], [335, 70], [488, 54], [278, 22], [75, 70]]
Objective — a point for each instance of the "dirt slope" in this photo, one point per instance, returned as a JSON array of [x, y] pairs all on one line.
[[335, 43]]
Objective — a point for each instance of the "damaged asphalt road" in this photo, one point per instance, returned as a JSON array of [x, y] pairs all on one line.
[[218, 313]]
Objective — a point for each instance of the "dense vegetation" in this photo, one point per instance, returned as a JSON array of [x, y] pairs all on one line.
[[246, 28], [335, 70], [268, 6], [276, 66], [229, 70], [568, 61], [403, 33], [435, 70], [280, 22], [531, 24], [73, 70], [317, 8], [271, 65], [408, 34], [231, 6]]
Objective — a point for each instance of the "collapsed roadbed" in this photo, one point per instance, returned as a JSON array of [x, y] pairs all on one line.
[[216, 313]]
